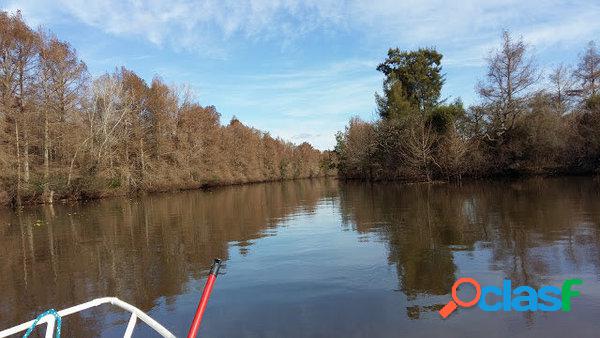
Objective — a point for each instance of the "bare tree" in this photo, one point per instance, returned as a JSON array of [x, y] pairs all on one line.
[[110, 105], [507, 86], [18, 61], [420, 148], [562, 83], [451, 155], [62, 81], [162, 110], [588, 71], [135, 126]]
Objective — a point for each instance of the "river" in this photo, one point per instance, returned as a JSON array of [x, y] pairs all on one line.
[[310, 258]]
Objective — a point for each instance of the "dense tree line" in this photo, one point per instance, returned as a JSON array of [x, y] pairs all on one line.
[[525, 122], [64, 133]]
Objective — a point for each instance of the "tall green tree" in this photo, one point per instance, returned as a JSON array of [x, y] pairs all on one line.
[[413, 82]]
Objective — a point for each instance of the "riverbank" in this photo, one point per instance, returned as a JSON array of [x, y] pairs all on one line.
[[76, 194], [207, 186], [87, 195], [475, 178]]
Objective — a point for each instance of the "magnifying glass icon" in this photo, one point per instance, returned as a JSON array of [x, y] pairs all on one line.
[[455, 302]]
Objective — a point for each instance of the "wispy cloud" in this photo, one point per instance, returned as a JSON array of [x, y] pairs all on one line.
[[208, 26], [201, 26], [331, 89]]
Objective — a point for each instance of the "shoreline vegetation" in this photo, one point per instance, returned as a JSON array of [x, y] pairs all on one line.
[[526, 122], [67, 135]]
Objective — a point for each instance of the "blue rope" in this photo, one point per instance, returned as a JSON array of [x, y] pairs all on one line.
[[49, 312]]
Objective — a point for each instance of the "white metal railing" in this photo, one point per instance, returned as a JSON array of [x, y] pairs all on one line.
[[135, 314]]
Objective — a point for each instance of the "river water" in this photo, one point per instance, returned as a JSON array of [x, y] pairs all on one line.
[[310, 258]]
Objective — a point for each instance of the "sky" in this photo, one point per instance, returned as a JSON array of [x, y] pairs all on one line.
[[301, 69]]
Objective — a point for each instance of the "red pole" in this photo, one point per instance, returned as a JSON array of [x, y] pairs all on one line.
[[212, 276]]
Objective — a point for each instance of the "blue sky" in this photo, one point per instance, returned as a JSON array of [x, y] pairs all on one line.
[[301, 69]]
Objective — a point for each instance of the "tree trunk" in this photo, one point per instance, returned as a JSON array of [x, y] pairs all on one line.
[[143, 164], [21, 105], [70, 175], [26, 160], [47, 194], [18, 146]]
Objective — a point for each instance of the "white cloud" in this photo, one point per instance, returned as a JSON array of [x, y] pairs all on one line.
[[209, 25], [332, 89], [190, 25]]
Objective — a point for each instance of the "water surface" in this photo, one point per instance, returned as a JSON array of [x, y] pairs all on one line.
[[310, 258]]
